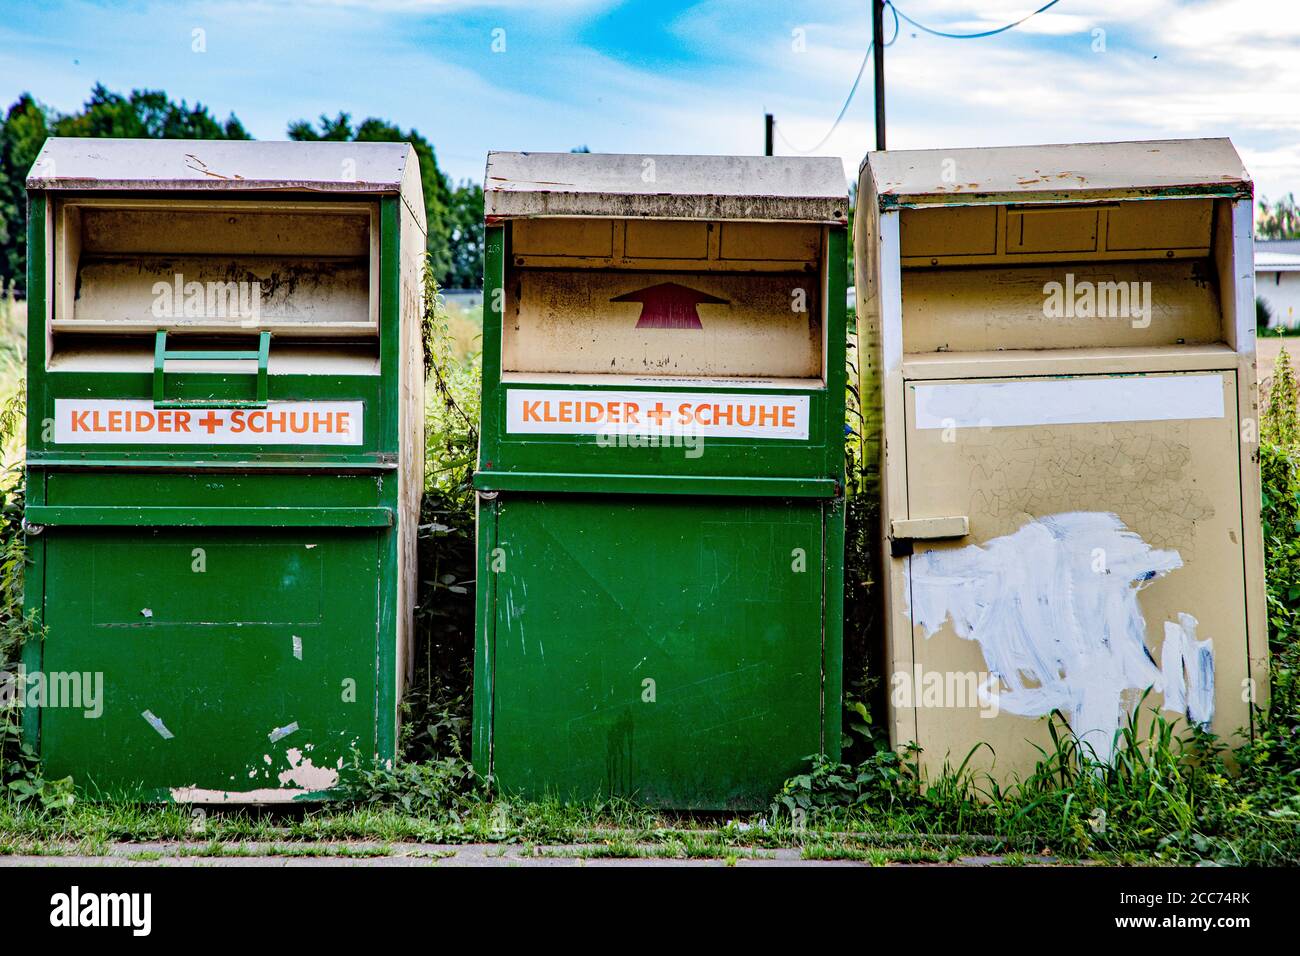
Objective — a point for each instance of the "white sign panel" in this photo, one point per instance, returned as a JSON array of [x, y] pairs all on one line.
[[137, 422], [607, 412], [1069, 401]]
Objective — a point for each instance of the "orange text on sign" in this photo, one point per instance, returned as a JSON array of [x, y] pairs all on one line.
[[238, 421], [707, 412]]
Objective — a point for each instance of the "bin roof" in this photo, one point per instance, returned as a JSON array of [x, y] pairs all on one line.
[[188, 165], [1072, 172], [639, 185]]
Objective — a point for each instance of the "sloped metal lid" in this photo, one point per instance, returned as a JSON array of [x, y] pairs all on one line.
[[633, 185], [1058, 173]]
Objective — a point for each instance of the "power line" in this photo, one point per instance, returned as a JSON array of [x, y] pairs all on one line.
[[847, 100], [967, 36], [867, 56]]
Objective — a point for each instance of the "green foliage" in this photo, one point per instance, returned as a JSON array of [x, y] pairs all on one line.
[[443, 790], [1263, 315], [1278, 220], [22, 133], [433, 774], [1279, 425], [454, 215], [883, 782], [465, 218], [20, 770], [144, 114]]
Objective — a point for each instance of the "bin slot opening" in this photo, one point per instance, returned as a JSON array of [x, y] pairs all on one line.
[[1061, 306], [124, 267], [1132, 274], [665, 299]]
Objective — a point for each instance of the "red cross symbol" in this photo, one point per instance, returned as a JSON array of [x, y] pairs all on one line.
[[211, 422]]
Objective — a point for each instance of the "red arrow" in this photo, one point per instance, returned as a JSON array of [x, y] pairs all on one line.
[[669, 306]]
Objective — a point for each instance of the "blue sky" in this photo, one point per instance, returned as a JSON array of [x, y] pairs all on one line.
[[688, 75]]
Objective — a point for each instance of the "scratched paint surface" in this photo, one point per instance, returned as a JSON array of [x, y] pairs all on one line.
[[243, 664], [699, 596]]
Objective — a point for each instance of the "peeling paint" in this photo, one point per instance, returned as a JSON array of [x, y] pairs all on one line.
[[302, 773], [279, 733], [261, 795], [1055, 612], [158, 725]]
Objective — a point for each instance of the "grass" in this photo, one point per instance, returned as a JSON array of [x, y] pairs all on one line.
[[1172, 796]]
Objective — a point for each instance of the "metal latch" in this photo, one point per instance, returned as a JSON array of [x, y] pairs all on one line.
[[903, 531]]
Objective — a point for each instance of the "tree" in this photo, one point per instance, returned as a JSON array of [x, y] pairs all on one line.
[[455, 216], [466, 237], [147, 114], [1279, 220], [437, 188], [23, 132]]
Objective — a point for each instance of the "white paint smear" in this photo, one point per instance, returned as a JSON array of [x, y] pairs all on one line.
[[1069, 401], [1054, 609], [157, 725], [1187, 667], [281, 732]]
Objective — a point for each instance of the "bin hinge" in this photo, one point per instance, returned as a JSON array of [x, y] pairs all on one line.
[[32, 529]]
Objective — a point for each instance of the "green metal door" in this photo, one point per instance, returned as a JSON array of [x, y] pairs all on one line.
[[232, 660], [668, 649]]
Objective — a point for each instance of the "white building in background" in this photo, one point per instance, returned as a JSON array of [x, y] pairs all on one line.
[[1277, 279]]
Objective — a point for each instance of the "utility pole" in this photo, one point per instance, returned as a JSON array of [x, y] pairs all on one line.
[[768, 122], [878, 48]]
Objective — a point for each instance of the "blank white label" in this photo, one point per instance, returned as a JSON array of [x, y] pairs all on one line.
[[1069, 401]]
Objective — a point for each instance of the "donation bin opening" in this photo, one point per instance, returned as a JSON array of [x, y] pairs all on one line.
[[224, 453], [1063, 348], [660, 476]]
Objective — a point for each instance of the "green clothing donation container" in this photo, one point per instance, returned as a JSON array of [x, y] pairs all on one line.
[[661, 514], [225, 455]]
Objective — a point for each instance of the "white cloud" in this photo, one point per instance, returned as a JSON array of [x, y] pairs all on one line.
[[1170, 68]]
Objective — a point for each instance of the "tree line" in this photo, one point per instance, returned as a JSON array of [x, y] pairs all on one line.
[[454, 212]]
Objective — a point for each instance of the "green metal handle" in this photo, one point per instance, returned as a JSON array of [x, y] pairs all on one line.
[[161, 355]]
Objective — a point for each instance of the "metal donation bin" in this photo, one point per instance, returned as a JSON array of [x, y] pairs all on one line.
[[1063, 340], [224, 451], [661, 475]]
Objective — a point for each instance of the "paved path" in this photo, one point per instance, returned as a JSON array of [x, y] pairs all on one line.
[[412, 854]]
